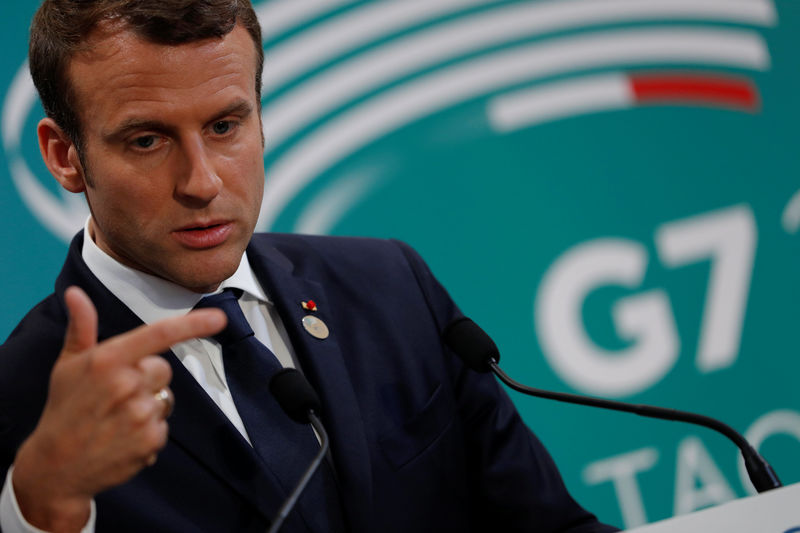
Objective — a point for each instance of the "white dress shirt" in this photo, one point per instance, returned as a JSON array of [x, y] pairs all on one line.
[[152, 299]]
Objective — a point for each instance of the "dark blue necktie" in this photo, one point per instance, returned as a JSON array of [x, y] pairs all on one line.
[[285, 446]]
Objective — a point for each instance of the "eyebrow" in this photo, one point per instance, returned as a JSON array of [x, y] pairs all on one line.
[[239, 107]]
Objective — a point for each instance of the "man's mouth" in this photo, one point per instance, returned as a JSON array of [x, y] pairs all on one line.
[[203, 235], [201, 228]]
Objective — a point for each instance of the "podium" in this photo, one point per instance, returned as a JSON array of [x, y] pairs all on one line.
[[774, 511]]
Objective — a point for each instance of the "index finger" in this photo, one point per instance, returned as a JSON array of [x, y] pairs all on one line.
[[158, 337]]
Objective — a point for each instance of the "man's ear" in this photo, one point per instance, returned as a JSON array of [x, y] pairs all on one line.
[[61, 156]]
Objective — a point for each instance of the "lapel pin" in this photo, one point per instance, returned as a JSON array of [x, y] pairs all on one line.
[[309, 305], [315, 327]]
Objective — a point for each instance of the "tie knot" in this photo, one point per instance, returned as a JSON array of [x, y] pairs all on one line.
[[228, 300]]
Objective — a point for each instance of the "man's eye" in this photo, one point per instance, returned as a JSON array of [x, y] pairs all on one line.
[[146, 141], [222, 127]]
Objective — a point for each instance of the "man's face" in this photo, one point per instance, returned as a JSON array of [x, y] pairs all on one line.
[[173, 152]]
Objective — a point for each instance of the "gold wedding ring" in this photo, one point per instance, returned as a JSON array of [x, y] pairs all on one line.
[[165, 395]]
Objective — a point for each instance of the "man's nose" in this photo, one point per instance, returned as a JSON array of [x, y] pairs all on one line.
[[199, 181]]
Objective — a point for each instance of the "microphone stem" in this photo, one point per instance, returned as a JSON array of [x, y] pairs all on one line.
[[289, 504], [761, 473]]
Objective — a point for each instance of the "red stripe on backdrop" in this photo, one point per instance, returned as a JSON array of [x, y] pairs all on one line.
[[717, 90]]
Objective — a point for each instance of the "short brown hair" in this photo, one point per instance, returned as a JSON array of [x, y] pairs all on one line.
[[60, 29]]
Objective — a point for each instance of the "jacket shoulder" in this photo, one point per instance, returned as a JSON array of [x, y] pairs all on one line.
[[327, 245], [353, 255], [360, 266], [43, 326]]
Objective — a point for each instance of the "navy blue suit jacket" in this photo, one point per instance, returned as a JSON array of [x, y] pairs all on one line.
[[419, 442]]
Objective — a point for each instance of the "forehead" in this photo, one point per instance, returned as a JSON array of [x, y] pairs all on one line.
[[119, 73]]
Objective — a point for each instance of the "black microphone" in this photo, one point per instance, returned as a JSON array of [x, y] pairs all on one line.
[[479, 352], [298, 399]]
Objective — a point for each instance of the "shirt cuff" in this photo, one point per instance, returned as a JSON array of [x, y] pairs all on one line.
[[11, 519]]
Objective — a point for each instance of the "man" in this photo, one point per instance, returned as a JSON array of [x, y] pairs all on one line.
[[153, 113]]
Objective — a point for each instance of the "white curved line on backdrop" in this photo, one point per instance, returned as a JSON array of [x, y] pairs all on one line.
[[340, 85], [307, 50], [19, 101], [62, 219], [790, 219], [278, 16], [522, 109], [61, 215], [400, 106], [322, 214]]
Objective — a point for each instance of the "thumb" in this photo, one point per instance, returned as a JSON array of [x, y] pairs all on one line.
[[82, 328]]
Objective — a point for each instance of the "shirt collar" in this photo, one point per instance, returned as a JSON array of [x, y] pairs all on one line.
[[152, 298]]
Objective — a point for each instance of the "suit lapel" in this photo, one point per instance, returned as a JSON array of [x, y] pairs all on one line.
[[323, 364], [204, 432], [196, 425]]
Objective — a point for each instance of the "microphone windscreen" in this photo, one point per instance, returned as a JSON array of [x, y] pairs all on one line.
[[471, 344], [294, 394]]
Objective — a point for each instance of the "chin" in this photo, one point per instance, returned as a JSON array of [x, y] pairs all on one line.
[[206, 277]]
